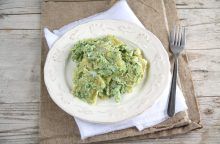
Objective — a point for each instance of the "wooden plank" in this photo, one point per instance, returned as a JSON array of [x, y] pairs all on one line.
[[27, 21], [193, 16], [206, 71], [203, 37], [19, 86], [19, 91], [20, 113], [202, 87], [17, 43], [205, 75], [204, 60], [19, 34], [19, 74], [197, 4], [19, 7], [209, 59], [202, 33]]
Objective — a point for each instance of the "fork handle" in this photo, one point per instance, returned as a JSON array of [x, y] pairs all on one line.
[[172, 96]]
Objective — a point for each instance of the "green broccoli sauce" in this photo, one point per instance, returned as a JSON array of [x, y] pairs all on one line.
[[106, 68]]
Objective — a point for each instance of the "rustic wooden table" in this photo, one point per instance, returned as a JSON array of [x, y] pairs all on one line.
[[20, 69]]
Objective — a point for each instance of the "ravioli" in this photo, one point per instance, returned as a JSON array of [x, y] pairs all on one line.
[[106, 68]]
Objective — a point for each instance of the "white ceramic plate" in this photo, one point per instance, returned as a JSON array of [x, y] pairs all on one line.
[[59, 68]]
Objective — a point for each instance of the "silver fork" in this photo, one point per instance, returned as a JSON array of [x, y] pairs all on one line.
[[177, 44]]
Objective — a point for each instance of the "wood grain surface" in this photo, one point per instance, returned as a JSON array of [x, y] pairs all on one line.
[[20, 69]]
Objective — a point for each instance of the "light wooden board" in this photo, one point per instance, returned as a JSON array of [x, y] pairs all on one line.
[[20, 7], [19, 86], [19, 112], [27, 21], [197, 4]]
